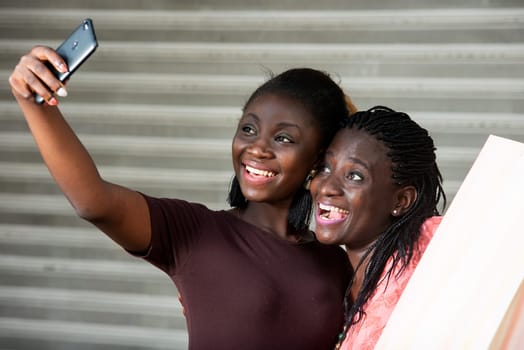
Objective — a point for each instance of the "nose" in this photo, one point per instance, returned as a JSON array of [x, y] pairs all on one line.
[[260, 148], [326, 185]]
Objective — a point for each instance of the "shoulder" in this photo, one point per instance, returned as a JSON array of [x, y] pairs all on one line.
[[427, 231], [429, 226], [175, 205], [164, 201], [335, 262], [179, 215], [333, 254]]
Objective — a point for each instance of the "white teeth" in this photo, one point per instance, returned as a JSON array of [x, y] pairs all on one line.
[[260, 172], [332, 208], [331, 213]]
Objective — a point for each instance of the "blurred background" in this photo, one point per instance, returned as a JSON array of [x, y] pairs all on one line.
[[157, 106]]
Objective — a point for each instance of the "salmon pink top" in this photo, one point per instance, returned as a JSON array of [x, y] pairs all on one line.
[[365, 334]]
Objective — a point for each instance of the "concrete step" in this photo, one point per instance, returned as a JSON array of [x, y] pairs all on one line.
[[126, 309], [356, 60], [20, 333], [84, 306], [211, 181], [60, 242], [470, 123], [220, 122], [264, 4], [468, 141], [469, 130], [450, 25], [194, 185], [157, 152], [132, 276], [198, 122], [437, 94], [454, 164], [142, 88], [54, 210], [52, 205]]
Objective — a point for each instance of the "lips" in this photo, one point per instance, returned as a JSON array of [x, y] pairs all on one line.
[[259, 172], [331, 214], [257, 176]]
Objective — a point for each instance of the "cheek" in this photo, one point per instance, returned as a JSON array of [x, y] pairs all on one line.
[[374, 214], [313, 187], [236, 146], [297, 163], [236, 153], [306, 159], [362, 210]]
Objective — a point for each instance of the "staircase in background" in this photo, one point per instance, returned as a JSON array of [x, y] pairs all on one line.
[[157, 106]]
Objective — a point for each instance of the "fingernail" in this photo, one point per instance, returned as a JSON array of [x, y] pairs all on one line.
[[61, 67], [52, 101], [62, 92]]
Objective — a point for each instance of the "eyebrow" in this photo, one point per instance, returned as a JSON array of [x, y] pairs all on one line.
[[246, 115], [353, 159], [357, 160], [280, 125], [288, 125]]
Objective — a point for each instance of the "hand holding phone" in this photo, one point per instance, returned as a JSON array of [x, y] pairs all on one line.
[[75, 50]]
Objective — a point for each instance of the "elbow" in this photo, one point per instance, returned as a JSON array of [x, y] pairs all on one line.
[[91, 213], [93, 206], [85, 215]]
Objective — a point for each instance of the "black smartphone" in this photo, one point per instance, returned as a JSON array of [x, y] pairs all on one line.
[[75, 50]]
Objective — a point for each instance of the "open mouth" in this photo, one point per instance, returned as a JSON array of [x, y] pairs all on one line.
[[259, 172], [329, 212]]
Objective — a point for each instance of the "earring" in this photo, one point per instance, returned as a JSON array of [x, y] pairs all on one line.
[[395, 212], [309, 177]]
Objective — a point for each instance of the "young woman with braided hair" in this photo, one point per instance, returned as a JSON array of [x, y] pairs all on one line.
[[377, 193]]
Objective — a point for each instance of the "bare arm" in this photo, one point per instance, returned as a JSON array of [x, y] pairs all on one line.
[[121, 213]]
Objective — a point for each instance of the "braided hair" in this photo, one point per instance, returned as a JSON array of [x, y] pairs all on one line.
[[326, 102], [412, 153]]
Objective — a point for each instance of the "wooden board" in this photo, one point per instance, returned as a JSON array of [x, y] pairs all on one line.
[[465, 293]]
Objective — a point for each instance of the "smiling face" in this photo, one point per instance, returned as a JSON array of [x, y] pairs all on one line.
[[275, 146], [354, 191]]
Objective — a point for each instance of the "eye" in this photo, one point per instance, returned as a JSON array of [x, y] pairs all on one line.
[[322, 169], [248, 129], [283, 139], [355, 176]]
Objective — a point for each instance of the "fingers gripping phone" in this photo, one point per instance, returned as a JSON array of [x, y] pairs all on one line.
[[75, 50]]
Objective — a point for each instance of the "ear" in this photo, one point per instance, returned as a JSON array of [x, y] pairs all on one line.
[[318, 160], [309, 177], [404, 199]]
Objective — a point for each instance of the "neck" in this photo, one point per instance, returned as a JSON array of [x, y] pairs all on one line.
[[270, 218], [355, 257]]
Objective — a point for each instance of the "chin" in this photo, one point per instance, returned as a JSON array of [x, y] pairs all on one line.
[[327, 238]]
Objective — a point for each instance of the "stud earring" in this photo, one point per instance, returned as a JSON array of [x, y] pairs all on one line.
[[395, 212]]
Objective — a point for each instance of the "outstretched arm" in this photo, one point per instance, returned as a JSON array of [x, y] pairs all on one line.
[[121, 213]]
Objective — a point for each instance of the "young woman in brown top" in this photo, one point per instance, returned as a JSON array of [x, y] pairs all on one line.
[[251, 277]]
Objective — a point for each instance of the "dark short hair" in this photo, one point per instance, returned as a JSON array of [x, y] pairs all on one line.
[[325, 101]]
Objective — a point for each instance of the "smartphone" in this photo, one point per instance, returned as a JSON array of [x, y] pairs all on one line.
[[75, 50]]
